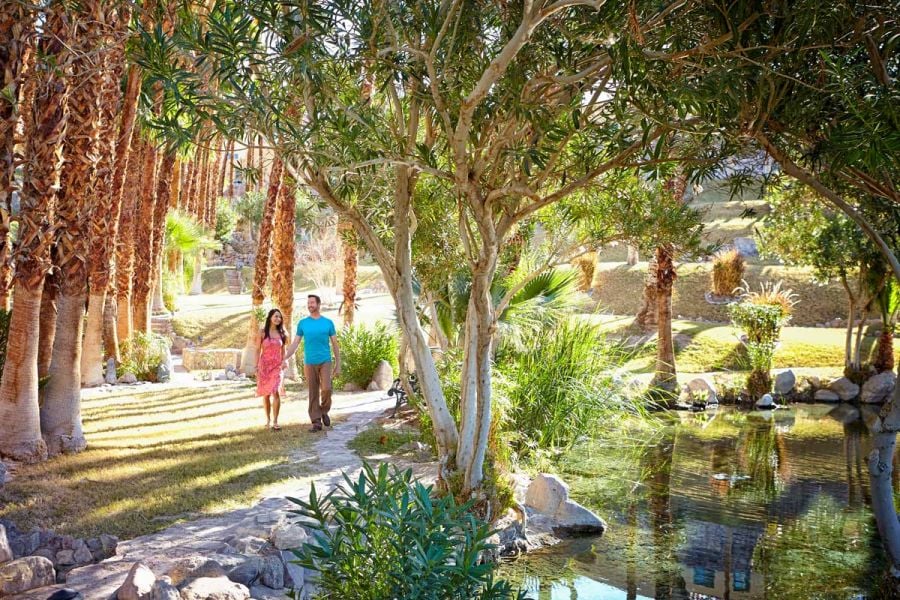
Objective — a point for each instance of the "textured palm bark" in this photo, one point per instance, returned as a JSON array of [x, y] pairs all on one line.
[[215, 187], [229, 179], [176, 185], [647, 318], [125, 240], [202, 187], [184, 202], [16, 28], [283, 257], [349, 246], [261, 268], [48, 119], [161, 207], [47, 324], [665, 377], [224, 160], [249, 166], [142, 277]]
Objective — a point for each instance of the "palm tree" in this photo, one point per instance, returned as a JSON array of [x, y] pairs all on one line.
[[125, 239], [350, 250], [75, 204], [141, 278], [283, 257], [117, 125], [184, 237], [19, 413], [261, 270], [16, 26], [163, 201]]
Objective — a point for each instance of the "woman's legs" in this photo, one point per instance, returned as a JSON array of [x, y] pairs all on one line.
[[276, 407], [266, 406]]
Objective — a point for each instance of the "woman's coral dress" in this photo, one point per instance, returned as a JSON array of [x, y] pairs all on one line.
[[269, 376]]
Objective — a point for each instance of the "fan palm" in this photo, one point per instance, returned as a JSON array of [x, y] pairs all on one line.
[[185, 237]]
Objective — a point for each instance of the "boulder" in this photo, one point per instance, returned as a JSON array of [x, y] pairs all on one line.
[[195, 567], [4, 473], [110, 377], [383, 377], [845, 414], [214, 588], [164, 590], [548, 494], [826, 396], [844, 388], [877, 389], [294, 575], [163, 373], [351, 387], [746, 247], [246, 573], [82, 554], [699, 390], [766, 402], [65, 558], [247, 544], [261, 592], [288, 536], [25, 574], [6, 553], [271, 572], [138, 584], [127, 378], [785, 382]]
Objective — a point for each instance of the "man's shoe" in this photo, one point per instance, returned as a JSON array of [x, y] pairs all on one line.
[[315, 428], [326, 420]]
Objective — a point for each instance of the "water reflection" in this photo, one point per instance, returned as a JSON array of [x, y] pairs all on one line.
[[732, 506]]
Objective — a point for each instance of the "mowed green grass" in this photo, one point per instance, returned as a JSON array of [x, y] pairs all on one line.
[[154, 459], [706, 347]]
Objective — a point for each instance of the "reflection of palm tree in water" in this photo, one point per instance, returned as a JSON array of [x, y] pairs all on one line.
[[669, 580], [857, 491], [761, 453]]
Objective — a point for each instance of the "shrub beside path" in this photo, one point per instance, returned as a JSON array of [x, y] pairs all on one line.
[[215, 538]]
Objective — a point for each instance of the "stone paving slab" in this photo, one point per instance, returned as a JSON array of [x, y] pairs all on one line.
[[206, 537]]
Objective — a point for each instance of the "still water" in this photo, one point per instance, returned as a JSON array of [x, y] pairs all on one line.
[[728, 505]]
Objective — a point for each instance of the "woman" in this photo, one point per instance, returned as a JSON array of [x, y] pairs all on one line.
[[269, 375]]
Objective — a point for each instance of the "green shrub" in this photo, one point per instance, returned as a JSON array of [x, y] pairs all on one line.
[[171, 290], [142, 355], [362, 348], [561, 386], [727, 272], [761, 315], [226, 220], [385, 535]]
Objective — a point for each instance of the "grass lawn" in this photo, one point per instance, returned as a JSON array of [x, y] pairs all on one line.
[[704, 347], [154, 459], [379, 440]]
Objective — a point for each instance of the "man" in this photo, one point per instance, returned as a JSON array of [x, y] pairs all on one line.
[[318, 332]]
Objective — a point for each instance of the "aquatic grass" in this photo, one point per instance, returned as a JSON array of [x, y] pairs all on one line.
[[563, 386]]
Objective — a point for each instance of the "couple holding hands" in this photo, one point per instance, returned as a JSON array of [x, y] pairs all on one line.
[[320, 338]]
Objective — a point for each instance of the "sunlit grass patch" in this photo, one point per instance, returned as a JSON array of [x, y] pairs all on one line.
[[378, 439], [154, 459]]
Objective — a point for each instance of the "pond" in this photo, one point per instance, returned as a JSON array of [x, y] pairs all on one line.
[[727, 505]]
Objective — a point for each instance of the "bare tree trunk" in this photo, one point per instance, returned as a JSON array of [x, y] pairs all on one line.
[[633, 257], [110, 333], [159, 305], [197, 283]]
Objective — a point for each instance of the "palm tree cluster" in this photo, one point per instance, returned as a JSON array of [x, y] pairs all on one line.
[[106, 204]]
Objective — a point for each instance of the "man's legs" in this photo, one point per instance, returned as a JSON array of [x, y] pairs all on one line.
[[325, 393], [312, 380]]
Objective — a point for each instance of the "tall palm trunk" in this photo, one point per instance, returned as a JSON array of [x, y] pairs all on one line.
[[229, 179], [283, 257], [47, 325], [116, 127], [250, 166], [884, 355], [176, 185], [202, 188], [16, 25], [163, 193], [75, 205], [184, 200], [19, 412], [665, 376], [215, 187], [647, 317], [125, 241], [351, 261], [261, 270], [142, 277]]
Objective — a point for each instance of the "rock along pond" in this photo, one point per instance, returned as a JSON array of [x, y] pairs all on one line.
[[728, 505]]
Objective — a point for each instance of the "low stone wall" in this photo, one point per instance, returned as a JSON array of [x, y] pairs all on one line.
[[208, 359]]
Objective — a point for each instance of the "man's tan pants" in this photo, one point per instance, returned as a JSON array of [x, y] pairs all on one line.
[[318, 378]]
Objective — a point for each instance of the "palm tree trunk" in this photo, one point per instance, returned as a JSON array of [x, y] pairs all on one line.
[[351, 262], [665, 377], [283, 258], [184, 200], [230, 177], [47, 324], [163, 192], [19, 413], [16, 26], [647, 318], [176, 185], [261, 268], [125, 244], [142, 277], [221, 169], [197, 283], [159, 306], [216, 181], [202, 187], [250, 166]]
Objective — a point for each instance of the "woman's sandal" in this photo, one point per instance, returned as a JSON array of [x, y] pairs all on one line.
[[276, 427]]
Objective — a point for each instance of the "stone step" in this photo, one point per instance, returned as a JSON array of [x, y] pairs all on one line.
[[162, 325]]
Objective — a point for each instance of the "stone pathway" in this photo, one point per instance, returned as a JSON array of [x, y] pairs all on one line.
[[207, 537]]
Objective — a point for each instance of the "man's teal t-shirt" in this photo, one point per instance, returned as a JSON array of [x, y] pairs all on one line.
[[316, 334]]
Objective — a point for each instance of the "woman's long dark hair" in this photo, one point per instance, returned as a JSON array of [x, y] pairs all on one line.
[[280, 326]]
